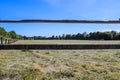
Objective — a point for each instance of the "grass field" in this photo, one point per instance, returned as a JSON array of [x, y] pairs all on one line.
[[67, 42], [59, 64]]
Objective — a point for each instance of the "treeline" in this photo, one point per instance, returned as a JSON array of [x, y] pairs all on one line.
[[107, 35], [11, 35]]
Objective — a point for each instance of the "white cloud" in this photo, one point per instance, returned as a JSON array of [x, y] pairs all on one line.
[[110, 30], [112, 27]]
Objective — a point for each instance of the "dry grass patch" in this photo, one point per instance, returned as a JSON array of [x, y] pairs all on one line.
[[60, 64]]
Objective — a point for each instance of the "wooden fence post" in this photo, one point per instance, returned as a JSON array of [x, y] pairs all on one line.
[[5, 41], [1, 39], [8, 41]]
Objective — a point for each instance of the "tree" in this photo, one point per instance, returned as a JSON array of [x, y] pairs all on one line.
[[13, 34], [68, 36], [63, 36], [8, 35], [19, 37], [2, 31], [53, 37]]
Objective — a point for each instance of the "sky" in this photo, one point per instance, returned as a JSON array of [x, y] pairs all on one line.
[[59, 9]]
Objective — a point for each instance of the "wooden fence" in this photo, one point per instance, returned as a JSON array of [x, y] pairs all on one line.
[[62, 21], [58, 46]]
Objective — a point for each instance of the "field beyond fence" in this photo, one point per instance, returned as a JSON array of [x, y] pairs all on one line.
[[62, 44]]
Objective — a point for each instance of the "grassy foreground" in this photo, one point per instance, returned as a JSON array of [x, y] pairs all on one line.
[[60, 65]]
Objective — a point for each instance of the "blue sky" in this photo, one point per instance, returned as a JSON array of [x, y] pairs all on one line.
[[59, 9]]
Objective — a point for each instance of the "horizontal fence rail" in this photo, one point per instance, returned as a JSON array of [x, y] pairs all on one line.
[[58, 46], [61, 21]]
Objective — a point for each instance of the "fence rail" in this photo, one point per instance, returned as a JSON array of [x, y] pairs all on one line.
[[58, 46], [61, 21]]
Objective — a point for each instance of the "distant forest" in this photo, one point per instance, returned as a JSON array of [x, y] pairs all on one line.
[[107, 35]]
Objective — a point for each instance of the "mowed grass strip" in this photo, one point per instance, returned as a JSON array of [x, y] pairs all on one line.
[[60, 64], [67, 42]]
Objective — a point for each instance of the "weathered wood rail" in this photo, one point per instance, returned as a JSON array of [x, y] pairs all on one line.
[[61, 21], [58, 46]]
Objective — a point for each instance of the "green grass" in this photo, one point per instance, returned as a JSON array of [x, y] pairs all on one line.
[[60, 65], [67, 42]]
